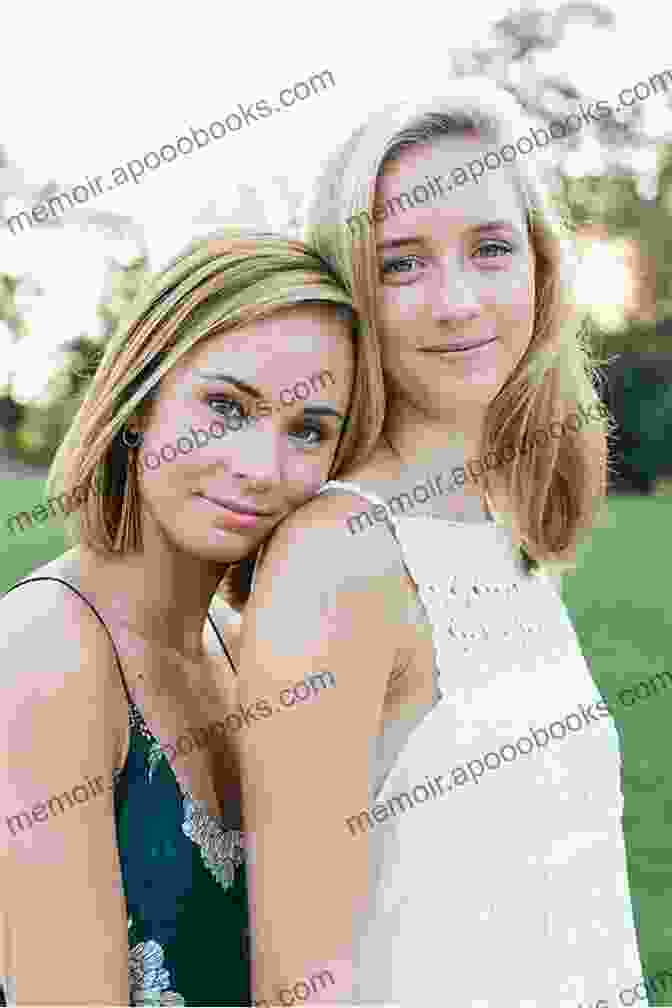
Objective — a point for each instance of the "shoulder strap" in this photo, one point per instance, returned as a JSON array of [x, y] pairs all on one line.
[[353, 488], [368, 495], [133, 710], [96, 614], [213, 624], [105, 626], [391, 523]]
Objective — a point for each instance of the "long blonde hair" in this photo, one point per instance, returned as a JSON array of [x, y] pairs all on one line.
[[554, 493], [219, 282]]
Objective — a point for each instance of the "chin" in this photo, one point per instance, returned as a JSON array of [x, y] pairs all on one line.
[[211, 545]]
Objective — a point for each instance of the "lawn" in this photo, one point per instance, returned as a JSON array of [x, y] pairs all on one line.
[[22, 551], [619, 600]]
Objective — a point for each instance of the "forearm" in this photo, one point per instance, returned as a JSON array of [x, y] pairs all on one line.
[[302, 911]]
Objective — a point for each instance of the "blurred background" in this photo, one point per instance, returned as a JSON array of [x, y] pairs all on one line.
[[65, 282]]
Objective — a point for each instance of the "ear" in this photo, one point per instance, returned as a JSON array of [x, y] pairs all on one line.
[[133, 424]]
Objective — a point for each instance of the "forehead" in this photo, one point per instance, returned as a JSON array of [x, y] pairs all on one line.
[[495, 196], [283, 347]]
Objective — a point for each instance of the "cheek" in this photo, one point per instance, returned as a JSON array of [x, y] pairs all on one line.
[[523, 311], [521, 307], [523, 291], [513, 298], [399, 304], [401, 314], [164, 462]]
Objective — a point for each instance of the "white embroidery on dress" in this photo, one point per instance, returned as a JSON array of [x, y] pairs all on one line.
[[222, 851], [148, 979]]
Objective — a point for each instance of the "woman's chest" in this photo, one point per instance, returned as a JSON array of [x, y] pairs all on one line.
[[182, 709]]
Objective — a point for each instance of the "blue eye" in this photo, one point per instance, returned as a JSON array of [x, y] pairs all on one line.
[[229, 402], [497, 246], [310, 429], [310, 435], [397, 265]]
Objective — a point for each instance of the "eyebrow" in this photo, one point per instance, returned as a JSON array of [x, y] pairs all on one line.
[[256, 394], [323, 411], [486, 228], [230, 380]]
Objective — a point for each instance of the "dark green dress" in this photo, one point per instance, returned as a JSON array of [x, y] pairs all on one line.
[[183, 876]]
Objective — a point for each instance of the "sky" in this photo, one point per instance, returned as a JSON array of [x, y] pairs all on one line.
[[88, 87]]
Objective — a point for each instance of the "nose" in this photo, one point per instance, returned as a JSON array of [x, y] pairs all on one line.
[[454, 297], [255, 455]]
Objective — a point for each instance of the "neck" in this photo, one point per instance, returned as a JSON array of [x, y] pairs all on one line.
[[416, 448], [440, 441], [162, 594]]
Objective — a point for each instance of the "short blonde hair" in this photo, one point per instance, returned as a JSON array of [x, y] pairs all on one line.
[[553, 494], [225, 280]]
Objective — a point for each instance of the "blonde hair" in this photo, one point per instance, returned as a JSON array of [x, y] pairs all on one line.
[[552, 495], [219, 282]]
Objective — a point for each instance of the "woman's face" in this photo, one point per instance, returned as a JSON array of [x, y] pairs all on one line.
[[455, 272], [262, 407]]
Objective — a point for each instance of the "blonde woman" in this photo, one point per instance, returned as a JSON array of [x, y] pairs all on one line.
[[123, 861], [445, 827]]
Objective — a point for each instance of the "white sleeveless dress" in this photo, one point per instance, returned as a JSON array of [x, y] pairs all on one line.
[[505, 887]]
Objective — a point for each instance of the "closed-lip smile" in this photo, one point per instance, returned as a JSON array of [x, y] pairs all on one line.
[[456, 347], [236, 506]]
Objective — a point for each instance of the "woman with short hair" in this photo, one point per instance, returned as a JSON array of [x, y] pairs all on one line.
[[179, 462]]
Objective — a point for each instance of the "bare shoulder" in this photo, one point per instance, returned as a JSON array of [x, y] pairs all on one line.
[[56, 655], [47, 614], [317, 542], [62, 710], [318, 587]]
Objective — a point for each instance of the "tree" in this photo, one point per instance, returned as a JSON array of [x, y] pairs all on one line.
[[629, 192], [523, 35]]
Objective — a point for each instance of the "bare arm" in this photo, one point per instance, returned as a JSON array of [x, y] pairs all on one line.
[[324, 601], [62, 712]]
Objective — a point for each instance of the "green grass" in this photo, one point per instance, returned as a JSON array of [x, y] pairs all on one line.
[[619, 601], [23, 551]]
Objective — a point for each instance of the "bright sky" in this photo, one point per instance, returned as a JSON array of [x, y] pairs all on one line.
[[88, 87]]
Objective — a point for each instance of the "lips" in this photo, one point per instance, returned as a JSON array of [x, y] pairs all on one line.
[[237, 506], [460, 345]]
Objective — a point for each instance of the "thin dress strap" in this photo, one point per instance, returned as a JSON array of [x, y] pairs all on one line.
[[353, 488], [96, 614], [107, 630], [221, 641], [368, 495], [374, 499]]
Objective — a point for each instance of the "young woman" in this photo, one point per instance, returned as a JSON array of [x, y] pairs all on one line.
[[444, 827], [123, 862]]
